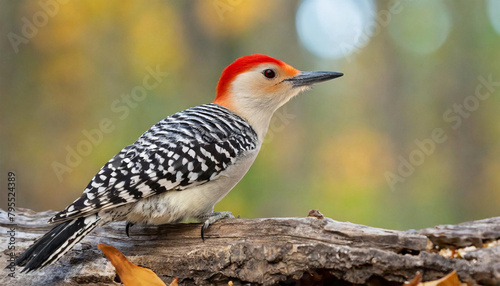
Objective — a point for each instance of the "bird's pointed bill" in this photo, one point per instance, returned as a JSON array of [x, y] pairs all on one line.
[[310, 78]]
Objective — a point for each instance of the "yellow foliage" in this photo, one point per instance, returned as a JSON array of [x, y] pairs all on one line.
[[232, 17], [358, 157], [156, 38], [490, 179]]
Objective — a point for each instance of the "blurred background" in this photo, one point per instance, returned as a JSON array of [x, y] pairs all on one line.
[[408, 138]]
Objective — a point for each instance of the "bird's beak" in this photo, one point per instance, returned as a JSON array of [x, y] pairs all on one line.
[[310, 78]]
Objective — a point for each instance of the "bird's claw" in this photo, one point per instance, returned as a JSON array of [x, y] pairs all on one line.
[[203, 228], [129, 224], [213, 218]]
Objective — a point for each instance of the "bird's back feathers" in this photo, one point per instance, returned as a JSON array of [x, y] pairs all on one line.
[[186, 149]]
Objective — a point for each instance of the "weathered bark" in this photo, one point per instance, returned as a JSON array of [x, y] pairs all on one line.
[[312, 250]]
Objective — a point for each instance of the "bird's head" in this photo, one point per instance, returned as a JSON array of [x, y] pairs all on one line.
[[255, 86]]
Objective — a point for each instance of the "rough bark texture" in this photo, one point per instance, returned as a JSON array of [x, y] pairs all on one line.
[[310, 250]]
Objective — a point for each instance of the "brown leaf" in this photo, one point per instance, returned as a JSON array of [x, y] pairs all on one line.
[[175, 282], [449, 280], [131, 274]]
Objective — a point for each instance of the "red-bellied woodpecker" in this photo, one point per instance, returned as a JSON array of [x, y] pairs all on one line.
[[184, 164]]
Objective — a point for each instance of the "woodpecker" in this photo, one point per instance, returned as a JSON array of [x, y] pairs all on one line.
[[183, 165]]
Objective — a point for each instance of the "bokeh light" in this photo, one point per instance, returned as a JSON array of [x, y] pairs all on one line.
[[334, 28], [422, 27], [493, 8]]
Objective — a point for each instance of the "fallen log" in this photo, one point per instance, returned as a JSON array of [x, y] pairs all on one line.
[[309, 250]]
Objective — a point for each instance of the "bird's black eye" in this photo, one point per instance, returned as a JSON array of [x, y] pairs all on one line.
[[269, 73]]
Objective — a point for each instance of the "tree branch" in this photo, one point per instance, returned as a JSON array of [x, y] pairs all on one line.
[[266, 251]]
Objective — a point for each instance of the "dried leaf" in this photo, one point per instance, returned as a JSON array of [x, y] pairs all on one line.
[[449, 280], [175, 282], [130, 274]]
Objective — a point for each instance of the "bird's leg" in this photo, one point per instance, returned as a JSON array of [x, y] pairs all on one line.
[[129, 224], [213, 218]]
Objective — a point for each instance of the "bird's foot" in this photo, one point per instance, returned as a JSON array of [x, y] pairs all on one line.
[[129, 224], [213, 218]]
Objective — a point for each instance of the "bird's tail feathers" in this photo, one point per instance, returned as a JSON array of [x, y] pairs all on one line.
[[54, 244]]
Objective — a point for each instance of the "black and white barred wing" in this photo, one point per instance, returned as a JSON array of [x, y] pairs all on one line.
[[188, 155]]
